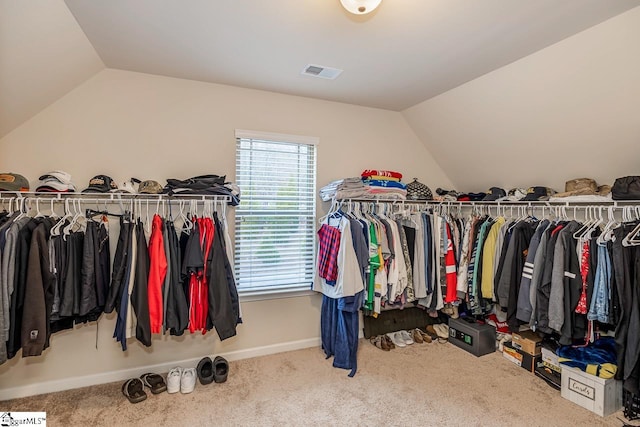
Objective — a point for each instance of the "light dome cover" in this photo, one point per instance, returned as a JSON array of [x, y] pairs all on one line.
[[360, 7]]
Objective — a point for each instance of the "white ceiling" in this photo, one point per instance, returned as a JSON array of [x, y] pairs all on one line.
[[405, 52]]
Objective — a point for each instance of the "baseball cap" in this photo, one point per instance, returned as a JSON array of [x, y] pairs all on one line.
[[128, 186], [514, 195], [59, 176], [150, 187], [494, 194], [100, 184], [13, 182], [56, 182], [469, 197], [538, 193]]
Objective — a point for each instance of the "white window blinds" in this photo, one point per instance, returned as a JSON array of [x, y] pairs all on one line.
[[275, 221]]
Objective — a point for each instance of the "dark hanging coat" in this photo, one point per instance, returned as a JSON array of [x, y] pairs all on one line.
[[224, 307]]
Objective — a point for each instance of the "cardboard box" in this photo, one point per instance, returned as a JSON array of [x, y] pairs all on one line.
[[476, 338], [550, 360], [527, 341], [520, 358], [601, 396]]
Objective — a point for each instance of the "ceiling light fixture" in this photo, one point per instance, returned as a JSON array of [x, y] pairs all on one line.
[[360, 7]]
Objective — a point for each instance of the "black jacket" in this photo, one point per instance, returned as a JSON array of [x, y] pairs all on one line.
[[574, 325], [38, 296], [119, 266], [177, 315], [23, 245], [140, 291], [224, 308]]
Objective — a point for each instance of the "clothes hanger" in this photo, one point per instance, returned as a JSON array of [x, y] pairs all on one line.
[[38, 213], [55, 230], [20, 206], [67, 229], [332, 209], [585, 226], [631, 239], [607, 232]]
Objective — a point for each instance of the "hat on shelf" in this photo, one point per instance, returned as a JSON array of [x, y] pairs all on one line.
[[128, 186], [13, 182], [514, 195], [56, 182], [418, 191], [583, 187], [101, 184], [494, 194], [150, 187], [538, 193]]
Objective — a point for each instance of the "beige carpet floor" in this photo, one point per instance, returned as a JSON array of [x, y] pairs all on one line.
[[421, 385]]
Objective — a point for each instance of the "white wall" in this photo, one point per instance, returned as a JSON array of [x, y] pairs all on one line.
[[127, 124], [567, 111]]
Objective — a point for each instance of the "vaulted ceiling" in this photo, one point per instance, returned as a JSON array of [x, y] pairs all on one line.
[[400, 55]]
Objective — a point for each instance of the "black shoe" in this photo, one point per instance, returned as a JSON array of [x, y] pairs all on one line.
[[221, 369], [205, 371]]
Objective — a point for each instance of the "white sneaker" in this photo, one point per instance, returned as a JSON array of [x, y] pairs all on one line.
[[406, 337], [188, 380], [173, 380], [397, 339]]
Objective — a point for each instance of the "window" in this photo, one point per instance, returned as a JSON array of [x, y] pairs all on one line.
[[275, 221]]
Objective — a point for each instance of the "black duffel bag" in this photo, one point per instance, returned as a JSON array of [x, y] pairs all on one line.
[[626, 188]]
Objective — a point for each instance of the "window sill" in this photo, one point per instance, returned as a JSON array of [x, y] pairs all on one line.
[[250, 295]]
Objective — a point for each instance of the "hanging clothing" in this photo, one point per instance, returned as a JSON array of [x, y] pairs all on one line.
[[37, 296], [177, 316], [224, 304], [157, 272], [140, 294]]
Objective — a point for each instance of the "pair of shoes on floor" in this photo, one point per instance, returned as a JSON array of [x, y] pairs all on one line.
[[181, 380], [215, 370], [420, 336], [133, 388], [382, 342], [438, 331], [400, 338]]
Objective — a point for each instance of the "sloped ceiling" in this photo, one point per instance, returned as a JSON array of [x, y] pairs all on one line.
[[401, 54], [43, 55], [568, 111]]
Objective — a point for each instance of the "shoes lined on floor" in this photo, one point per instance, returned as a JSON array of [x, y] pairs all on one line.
[[406, 336], [397, 339], [178, 379], [173, 380], [416, 334], [188, 380], [442, 331], [380, 342], [205, 371], [220, 369], [403, 338]]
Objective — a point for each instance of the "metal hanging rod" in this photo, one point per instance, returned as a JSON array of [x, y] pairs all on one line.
[[572, 204], [113, 197]]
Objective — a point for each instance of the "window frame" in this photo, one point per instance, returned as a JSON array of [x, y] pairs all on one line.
[[276, 291]]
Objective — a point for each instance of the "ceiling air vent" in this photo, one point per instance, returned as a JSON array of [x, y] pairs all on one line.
[[321, 71]]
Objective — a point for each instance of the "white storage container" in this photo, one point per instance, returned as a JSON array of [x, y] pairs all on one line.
[[604, 397]]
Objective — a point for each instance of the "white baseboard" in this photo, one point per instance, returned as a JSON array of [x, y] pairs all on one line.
[[121, 375]]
